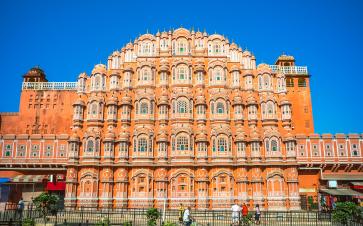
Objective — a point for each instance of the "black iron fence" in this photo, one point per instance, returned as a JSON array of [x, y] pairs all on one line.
[[128, 217]]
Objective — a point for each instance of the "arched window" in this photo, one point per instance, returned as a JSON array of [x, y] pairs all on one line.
[[218, 75], [266, 81], [274, 145], [182, 73], [145, 75], [182, 47], [90, 146], [142, 145], [94, 109], [216, 48], [220, 108], [97, 82], [222, 144], [145, 48], [182, 143], [182, 106], [143, 108]]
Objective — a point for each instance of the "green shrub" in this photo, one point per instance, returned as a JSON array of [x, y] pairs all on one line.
[[127, 223], [152, 216], [168, 223], [345, 212], [28, 222]]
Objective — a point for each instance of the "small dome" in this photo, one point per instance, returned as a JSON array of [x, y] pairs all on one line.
[[126, 100], [201, 137], [246, 53], [251, 100], [284, 100], [110, 136], [99, 68], [200, 100], [124, 136], [83, 75], [254, 136], [35, 74], [112, 100], [237, 100], [80, 102], [74, 137]]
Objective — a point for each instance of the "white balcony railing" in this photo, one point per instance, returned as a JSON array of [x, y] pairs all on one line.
[[299, 70], [49, 86]]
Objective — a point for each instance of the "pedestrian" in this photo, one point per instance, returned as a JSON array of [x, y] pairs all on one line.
[[20, 208], [244, 210], [187, 218], [181, 213], [257, 214], [236, 209]]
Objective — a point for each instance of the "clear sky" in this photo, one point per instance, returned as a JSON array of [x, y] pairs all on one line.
[[69, 37]]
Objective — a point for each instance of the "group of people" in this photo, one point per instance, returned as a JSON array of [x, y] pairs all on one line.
[[239, 214]]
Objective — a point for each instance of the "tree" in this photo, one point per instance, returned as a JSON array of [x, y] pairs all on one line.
[[152, 216], [345, 212], [46, 203]]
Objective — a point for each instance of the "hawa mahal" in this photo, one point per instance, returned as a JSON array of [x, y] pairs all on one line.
[[176, 117]]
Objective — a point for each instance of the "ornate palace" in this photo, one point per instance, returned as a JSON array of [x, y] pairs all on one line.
[[181, 117]]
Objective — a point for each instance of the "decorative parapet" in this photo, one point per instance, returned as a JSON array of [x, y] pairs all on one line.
[[49, 86], [291, 70]]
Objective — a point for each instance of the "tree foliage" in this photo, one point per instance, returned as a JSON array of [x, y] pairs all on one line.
[[152, 216], [46, 203], [345, 212]]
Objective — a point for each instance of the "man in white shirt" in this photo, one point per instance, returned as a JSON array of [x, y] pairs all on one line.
[[187, 219], [236, 210]]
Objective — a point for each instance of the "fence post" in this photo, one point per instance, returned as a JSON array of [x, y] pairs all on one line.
[[316, 218], [11, 222]]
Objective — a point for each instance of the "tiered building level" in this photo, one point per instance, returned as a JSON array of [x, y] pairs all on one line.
[[180, 116]]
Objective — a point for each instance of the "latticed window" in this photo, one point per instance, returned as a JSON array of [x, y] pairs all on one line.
[[218, 75], [182, 73], [143, 108], [301, 82], [274, 146], [255, 146], [222, 144], [220, 108], [182, 47], [216, 48], [182, 106], [142, 145], [289, 82], [182, 143], [146, 48], [145, 75], [90, 146]]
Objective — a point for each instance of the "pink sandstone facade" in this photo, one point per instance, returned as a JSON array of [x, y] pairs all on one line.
[[180, 116]]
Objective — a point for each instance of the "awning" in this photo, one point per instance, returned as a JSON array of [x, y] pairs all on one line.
[[345, 177], [357, 185], [4, 180], [341, 192], [28, 178], [57, 186]]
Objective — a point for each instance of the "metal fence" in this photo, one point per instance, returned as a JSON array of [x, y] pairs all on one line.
[[84, 217]]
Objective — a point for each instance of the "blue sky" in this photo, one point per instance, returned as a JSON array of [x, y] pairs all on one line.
[[69, 37]]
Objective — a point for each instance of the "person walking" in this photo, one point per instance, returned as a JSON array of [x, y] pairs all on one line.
[[236, 209], [20, 208], [181, 213], [187, 218], [257, 214]]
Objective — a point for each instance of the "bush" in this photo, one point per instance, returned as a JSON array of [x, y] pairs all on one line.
[[127, 223], [345, 212], [28, 222], [152, 216], [168, 223]]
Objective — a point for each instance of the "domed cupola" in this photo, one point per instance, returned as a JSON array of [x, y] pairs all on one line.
[[126, 100], [35, 74], [163, 99], [99, 68]]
